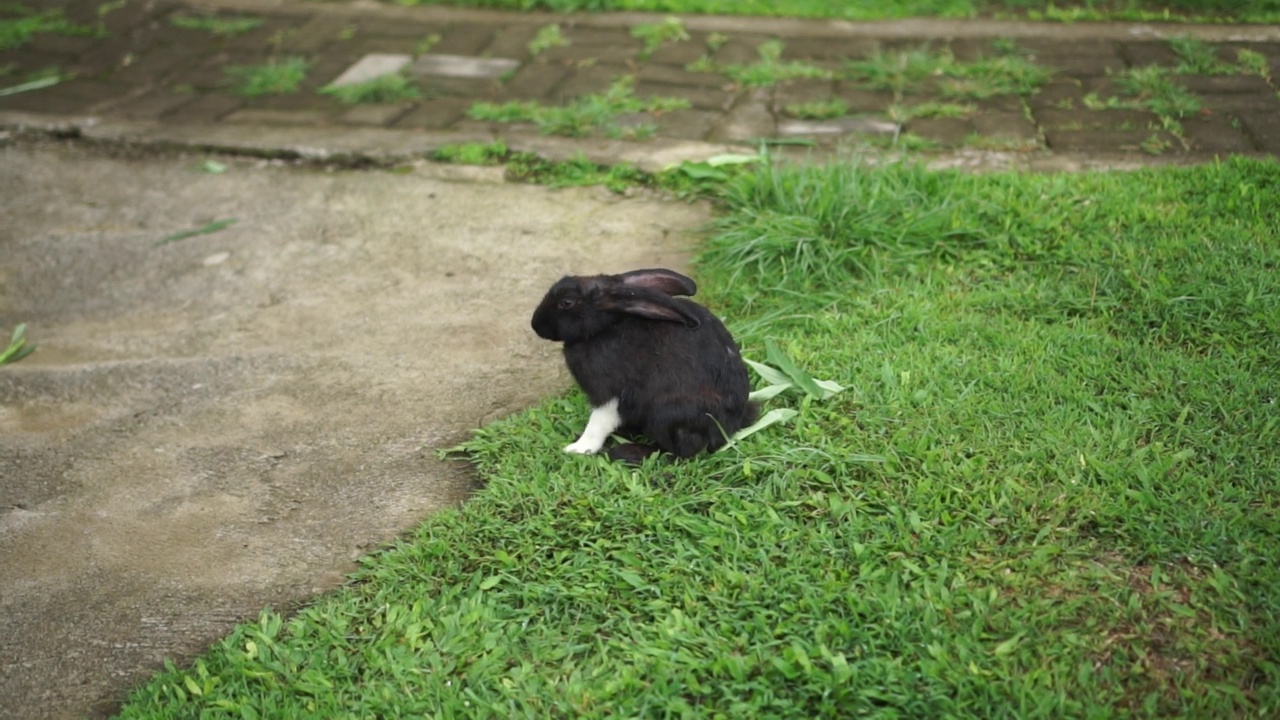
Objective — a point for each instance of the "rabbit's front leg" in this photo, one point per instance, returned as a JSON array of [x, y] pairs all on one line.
[[603, 421]]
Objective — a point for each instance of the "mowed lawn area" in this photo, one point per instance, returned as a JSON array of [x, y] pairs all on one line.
[[1049, 489]]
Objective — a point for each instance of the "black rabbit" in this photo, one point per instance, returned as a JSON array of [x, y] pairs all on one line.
[[649, 362]]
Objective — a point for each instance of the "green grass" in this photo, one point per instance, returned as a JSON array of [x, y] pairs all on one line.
[[1006, 75], [18, 24], [905, 72], [1252, 62], [547, 37], [900, 71], [1153, 144], [494, 153], [1201, 11], [574, 172], [278, 76], [586, 115], [425, 45], [1261, 11], [1199, 57], [528, 167], [390, 88], [1007, 47], [227, 27], [1049, 489], [769, 70], [1001, 144], [671, 29], [1150, 88], [1153, 88]]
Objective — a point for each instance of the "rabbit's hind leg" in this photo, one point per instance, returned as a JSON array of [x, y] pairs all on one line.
[[686, 434]]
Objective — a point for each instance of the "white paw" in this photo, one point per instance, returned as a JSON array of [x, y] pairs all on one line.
[[583, 447], [603, 420]]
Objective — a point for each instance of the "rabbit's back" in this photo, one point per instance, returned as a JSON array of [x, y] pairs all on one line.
[[685, 388]]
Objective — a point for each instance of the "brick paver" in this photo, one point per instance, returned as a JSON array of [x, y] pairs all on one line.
[[144, 68]]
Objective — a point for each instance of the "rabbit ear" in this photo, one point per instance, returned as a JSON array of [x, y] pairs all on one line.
[[660, 279], [651, 305]]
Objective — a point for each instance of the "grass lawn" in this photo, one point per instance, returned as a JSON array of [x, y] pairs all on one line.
[[1064, 10], [1049, 489]]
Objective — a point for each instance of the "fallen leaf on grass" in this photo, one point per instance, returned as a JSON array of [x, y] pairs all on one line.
[[780, 379], [772, 417], [789, 376]]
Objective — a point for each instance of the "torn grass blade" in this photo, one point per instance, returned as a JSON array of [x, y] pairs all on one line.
[[801, 378], [18, 347], [772, 417], [771, 375], [768, 393], [733, 159], [212, 227], [41, 83], [710, 168], [829, 387], [780, 382]]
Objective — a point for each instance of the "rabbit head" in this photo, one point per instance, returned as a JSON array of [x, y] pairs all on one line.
[[579, 307]]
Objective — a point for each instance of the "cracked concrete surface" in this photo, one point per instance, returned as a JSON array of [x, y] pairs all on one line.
[[223, 422]]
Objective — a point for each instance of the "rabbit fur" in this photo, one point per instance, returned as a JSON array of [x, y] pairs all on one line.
[[650, 362]]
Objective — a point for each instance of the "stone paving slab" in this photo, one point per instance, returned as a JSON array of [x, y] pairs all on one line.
[[148, 69], [371, 67]]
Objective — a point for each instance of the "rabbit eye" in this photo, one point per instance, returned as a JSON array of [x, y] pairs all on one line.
[[567, 303]]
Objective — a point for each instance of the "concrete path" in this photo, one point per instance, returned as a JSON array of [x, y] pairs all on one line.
[[226, 421]]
